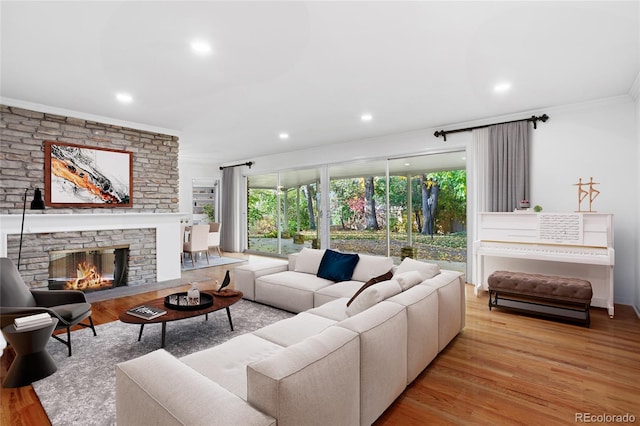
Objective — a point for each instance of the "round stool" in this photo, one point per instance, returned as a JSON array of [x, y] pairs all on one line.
[[32, 361]]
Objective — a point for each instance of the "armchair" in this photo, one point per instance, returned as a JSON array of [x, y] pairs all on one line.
[[70, 307]]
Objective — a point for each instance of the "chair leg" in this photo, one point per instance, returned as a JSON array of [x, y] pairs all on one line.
[[93, 328], [207, 253], [69, 339], [67, 342]]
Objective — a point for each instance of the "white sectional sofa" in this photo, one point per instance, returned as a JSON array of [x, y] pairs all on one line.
[[330, 364]]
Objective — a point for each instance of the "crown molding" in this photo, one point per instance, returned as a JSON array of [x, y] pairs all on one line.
[[84, 116]]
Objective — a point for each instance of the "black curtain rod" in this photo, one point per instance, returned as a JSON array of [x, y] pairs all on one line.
[[534, 119], [248, 163]]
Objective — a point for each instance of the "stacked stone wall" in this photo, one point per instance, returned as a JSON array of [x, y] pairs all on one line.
[[155, 186], [34, 261]]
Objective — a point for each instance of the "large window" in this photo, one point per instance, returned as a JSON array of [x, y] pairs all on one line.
[[283, 211], [358, 207], [411, 206]]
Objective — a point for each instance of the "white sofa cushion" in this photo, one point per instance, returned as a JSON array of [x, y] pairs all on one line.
[[408, 279], [226, 364], [335, 309], [308, 260], [371, 266], [289, 290], [451, 305], [245, 275], [373, 295], [383, 356], [314, 382], [157, 389], [421, 303], [294, 330], [426, 270], [335, 291]]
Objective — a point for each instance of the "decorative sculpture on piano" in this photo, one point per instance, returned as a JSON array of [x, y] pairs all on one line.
[[591, 192]]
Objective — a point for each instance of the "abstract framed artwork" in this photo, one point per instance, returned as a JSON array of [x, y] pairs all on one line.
[[82, 176]]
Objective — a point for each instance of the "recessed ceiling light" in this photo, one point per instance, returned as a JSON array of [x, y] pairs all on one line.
[[366, 117], [201, 47], [283, 135], [407, 164], [125, 98], [502, 87]]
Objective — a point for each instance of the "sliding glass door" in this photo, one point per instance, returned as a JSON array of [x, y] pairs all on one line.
[[411, 206], [283, 211]]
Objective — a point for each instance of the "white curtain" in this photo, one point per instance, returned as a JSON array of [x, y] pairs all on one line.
[[508, 165], [229, 236], [477, 194]]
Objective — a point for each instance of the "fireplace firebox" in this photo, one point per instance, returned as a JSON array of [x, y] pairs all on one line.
[[88, 269]]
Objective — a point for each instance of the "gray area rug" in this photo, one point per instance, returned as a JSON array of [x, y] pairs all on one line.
[[201, 262], [82, 391]]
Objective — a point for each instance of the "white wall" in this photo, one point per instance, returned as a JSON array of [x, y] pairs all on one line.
[[635, 92], [593, 140], [189, 170], [598, 139]]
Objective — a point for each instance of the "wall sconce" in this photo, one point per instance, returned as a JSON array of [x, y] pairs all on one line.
[[36, 204]]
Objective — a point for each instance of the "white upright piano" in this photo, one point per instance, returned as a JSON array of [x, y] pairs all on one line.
[[564, 244]]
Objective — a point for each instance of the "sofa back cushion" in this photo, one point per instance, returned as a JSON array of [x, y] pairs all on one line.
[[371, 266], [408, 279], [373, 295], [308, 261], [426, 270], [336, 266], [375, 280]]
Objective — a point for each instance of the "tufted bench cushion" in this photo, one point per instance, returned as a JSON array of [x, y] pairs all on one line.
[[544, 286], [540, 290]]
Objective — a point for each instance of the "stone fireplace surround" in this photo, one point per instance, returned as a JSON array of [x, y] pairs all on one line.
[[154, 238]]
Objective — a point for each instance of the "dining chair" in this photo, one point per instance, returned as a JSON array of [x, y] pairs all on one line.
[[198, 241], [183, 229], [214, 236]]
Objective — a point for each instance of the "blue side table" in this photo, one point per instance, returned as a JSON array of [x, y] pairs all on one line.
[[32, 361]]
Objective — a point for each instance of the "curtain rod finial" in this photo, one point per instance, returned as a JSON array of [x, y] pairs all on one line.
[[442, 133]]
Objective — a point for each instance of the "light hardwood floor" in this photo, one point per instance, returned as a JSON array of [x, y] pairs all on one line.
[[503, 368]]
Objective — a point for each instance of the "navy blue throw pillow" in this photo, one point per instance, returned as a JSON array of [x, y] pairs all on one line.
[[336, 266]]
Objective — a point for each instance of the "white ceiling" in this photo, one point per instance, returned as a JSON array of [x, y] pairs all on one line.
[[312, 68]]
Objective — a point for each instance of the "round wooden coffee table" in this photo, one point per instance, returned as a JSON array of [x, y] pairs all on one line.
[[219, 302]]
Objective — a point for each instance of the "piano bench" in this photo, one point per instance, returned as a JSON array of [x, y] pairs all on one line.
[[549, 296]]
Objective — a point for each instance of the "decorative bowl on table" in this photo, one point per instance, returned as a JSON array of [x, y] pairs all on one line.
[[180, 302]]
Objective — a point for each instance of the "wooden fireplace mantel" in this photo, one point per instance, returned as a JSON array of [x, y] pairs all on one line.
[[167, 226]]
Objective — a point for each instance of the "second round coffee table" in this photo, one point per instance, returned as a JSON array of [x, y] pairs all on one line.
[[219, 302]]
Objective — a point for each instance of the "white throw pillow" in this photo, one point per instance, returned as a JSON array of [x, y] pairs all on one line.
[[408, 279], [371, 266], [309, 261], [372, 295], [426, 270]]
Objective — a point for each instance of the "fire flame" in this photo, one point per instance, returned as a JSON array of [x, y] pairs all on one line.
[[88, 278]]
